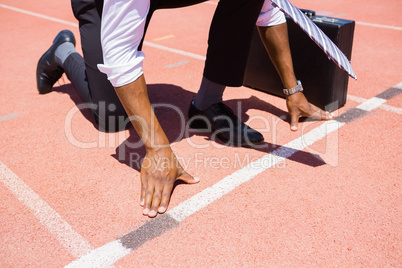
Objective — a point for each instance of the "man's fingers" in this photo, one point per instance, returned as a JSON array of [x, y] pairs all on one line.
[[187, 178], [318, 114], [167, 191], [142, 196], [148, 199], [294, 121], [156, 200], [298, 106], [144, 185], [157, 185]]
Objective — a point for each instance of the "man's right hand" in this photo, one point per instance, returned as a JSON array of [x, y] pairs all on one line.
[[159, 171], [160, 168]]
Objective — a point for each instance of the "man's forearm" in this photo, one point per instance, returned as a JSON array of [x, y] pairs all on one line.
[[275, 39], [134, 97]]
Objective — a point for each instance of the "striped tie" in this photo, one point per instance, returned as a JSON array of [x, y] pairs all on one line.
[[315, 33]]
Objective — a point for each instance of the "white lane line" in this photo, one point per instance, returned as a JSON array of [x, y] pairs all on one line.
[[59, 228], [371, 104], [390, 108], [173, 50], [7, 117], [104, 256], [39, 15], [356, 99], [379, 25], [164, 37], [385, 107], [177, 64], [340, 15]]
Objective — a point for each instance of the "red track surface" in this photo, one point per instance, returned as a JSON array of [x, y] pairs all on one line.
[[334, 203]]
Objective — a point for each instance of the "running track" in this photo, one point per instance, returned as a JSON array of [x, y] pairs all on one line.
[[327, 195]]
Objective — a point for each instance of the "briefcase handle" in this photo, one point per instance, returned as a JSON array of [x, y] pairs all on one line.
[[308, 13]]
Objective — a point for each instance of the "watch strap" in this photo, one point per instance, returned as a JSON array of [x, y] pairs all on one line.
[[298, 88]]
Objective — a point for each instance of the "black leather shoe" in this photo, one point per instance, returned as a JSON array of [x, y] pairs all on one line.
[[47, 70], [223, 123]]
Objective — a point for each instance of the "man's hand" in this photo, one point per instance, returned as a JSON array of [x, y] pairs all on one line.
[[159, 171], [160, 168], [275, 39], [298, 106]]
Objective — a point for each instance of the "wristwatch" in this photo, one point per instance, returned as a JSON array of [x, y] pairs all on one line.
[[298, 88]]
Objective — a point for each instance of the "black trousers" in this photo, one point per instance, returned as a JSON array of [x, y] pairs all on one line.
[[228, 45]]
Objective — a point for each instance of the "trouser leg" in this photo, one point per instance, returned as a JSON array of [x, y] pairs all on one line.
[[229, 40], [109, 114], [74, 67]]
